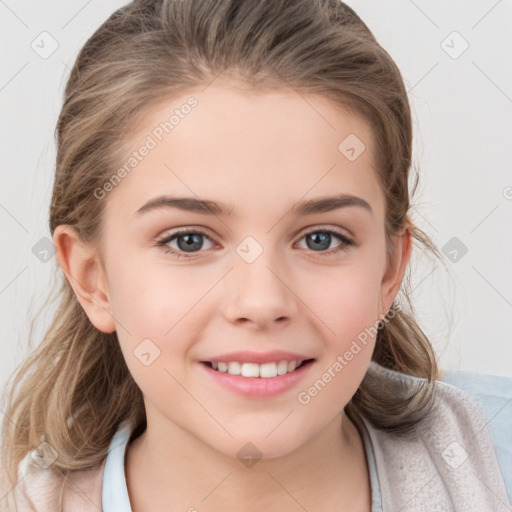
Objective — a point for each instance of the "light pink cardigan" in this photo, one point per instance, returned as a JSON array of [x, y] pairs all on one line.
[[41, 491]]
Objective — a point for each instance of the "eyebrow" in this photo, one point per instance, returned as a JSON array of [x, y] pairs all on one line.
[[208, 207]]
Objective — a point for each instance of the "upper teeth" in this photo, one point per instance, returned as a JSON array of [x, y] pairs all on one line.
[[267, 370]]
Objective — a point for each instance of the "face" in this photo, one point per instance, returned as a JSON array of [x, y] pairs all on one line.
[[259, 275]]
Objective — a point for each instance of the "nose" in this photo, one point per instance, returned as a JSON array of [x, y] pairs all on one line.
[[259, 294]]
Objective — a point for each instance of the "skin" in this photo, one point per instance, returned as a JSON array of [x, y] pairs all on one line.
[[260, 154]]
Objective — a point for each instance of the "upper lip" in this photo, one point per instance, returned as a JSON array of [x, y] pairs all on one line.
[[258, 357]]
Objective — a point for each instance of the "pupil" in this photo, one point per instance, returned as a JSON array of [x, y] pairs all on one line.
[[193, 242], [324, 239]]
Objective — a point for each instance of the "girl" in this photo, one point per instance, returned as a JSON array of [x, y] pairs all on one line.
[[231, 215]]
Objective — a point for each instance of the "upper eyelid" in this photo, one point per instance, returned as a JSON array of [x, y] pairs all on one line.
[[321, 227], [184, 231]]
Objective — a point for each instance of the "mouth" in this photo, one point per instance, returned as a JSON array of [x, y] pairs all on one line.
[[257, 381], [254, 370]]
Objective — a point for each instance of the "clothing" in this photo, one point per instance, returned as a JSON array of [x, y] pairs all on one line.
[[461, 461]]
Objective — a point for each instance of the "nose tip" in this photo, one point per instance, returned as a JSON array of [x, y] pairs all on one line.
[[259, 296]]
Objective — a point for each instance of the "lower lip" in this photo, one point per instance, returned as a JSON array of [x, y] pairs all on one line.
[[258, 387]]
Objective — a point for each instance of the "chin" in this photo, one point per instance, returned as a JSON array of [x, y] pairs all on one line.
[[250, 449]]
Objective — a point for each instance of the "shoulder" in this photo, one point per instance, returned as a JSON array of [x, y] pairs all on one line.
[[451, 456], [493, 395], [41, 489]]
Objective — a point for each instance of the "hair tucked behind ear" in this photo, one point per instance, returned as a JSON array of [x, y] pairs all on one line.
[[75, 388]]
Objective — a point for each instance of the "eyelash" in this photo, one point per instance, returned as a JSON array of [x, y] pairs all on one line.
[[344, 246]]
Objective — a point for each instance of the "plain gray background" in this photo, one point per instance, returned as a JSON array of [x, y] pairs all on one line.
[[455, 59]]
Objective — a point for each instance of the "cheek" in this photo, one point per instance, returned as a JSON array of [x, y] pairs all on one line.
[[157, 310], [150, 299], [347, 308], [348, 320], [153, 310], [345, 302]]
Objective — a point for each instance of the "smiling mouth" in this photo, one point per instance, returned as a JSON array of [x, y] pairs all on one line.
[[254, 370]]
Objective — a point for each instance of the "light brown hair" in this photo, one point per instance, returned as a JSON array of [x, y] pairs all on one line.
[[149, 50]]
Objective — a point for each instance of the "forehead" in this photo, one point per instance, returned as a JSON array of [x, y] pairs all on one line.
[[247, 146]]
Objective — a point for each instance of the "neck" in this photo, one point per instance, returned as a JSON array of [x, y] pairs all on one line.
[[326, 473]]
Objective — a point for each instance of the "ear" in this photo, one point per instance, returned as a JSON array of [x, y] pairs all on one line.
[[394, 274], [84, 271]]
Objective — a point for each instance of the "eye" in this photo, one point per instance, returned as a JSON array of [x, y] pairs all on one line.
[[320, 239], [188, 241]]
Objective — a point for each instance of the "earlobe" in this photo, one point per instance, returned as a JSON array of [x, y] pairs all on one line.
[[82, 268], [395, 273]]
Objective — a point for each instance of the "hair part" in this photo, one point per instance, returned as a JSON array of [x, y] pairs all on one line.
[[149, 50]]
